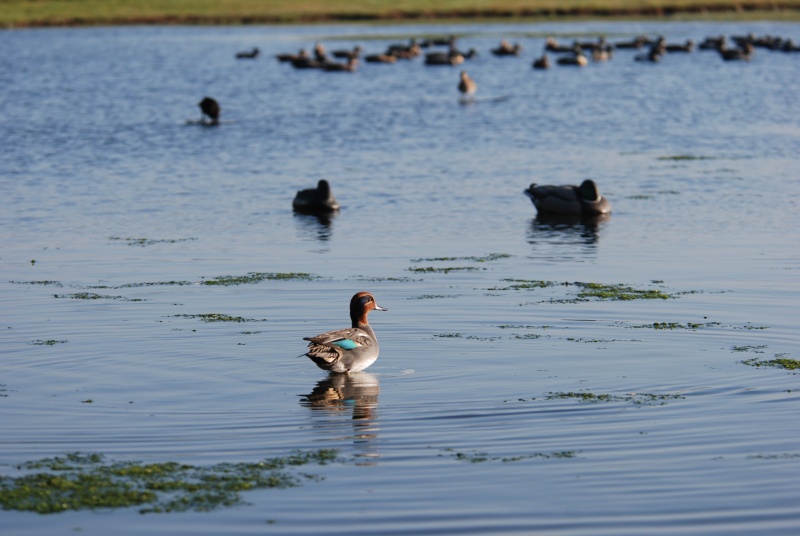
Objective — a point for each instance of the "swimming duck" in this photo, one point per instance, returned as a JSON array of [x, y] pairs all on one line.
[[467, 85], [349, 67], [347, 54], [351, 349], [303, 54], [575, 59], [252, 54], [316, 200], [569, 200], [542, 62], [507, 49], [381, 58], [453, 57], [210, 109]]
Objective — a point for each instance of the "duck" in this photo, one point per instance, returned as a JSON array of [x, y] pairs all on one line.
[[583, 200], [351, 349], [252, 54], [302, 54], [453, 57], [347, 54], [686, 47], [381, 58], [210, 109], [317, 200], [575, 59], [542, 62], [349, 67], [507, 49], [467, 85]]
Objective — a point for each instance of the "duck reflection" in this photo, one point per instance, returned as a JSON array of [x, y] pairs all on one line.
[[579, 233], [316, 226], [354, 395]]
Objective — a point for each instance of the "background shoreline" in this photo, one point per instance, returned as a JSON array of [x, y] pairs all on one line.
[[22, 14]]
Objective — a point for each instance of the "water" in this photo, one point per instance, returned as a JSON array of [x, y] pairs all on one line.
[[470, 421]]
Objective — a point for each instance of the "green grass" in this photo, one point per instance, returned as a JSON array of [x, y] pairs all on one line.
[[20, 13]]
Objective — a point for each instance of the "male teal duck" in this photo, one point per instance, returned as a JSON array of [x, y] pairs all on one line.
[[351, 349], [583, 200], [316, 200]]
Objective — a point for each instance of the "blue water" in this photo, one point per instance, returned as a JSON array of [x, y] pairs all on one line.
[[108, 186]]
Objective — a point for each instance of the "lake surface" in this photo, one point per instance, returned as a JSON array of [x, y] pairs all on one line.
[[505, 400]]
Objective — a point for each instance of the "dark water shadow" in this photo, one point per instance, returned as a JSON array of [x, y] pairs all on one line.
[[318, 226], [355, 396]]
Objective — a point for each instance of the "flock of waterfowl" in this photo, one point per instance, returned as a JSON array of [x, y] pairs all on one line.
[[577, 53]]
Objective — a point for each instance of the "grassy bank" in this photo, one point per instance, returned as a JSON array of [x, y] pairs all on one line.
[[24, 13]]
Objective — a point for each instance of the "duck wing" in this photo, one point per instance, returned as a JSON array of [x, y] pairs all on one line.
[[556, 199], [327, 348]]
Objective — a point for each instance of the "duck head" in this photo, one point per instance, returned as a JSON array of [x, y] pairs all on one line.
[[360, 306]]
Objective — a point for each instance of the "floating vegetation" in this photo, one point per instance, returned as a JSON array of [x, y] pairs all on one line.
[[528, 336], [681, 157], [588, 291], [218, 317], [47, 342], [527, 284], [381, 279], [141, 242], [485, 258], [618, 292], [154, 284], [677, 325], [86, 481], [758, 349], [257, 277], [783, 456], [45, 282], [433, 296], [780, 361], [448, 335], [93, 296], [749, 326], [480, 457], [444, 269], [646, 399]]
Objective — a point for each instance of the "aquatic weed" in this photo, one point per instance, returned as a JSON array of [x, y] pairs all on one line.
[[647, 399], [93, 296], [47, 342], [780, 361], [481, 457], [219, 317], [79, 481], [141, 242], [257, 277]]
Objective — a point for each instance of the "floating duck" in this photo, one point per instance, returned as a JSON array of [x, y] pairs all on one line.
[[253, 54], [467, 85], [349, 67], [351, 349], [577, 59], [303, 54], [542, 62], [583, 200], [507, 49], [210, 109], [348, 54], [316, 200]]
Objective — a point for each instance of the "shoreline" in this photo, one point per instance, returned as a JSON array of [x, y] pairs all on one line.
[[746, 11]]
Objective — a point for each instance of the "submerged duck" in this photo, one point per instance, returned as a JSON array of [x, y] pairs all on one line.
[[316, 200], [351, 349], [543, 62], [583, 200], [210, 109]]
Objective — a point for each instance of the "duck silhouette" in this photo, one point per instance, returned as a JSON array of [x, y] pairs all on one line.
[[319, 200], [210, 109], [583, 200]]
